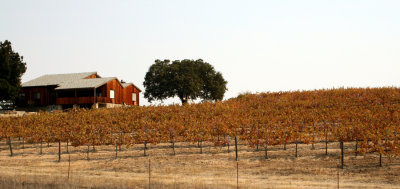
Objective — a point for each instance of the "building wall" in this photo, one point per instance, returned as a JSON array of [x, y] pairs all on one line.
[[127, 100], [92, 76], [47, 96], [118, 91], [135, 90], [128, 95]]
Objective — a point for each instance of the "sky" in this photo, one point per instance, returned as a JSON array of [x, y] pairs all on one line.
[[258, 46]]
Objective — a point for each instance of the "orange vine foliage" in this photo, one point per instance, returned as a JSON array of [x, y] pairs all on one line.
[[370, 116]]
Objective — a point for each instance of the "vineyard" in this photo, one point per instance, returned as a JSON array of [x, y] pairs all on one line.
[[369, 117]]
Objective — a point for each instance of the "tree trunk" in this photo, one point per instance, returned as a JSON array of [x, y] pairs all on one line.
[[183, 100]]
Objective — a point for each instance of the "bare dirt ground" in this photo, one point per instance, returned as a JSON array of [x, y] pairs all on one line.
[[214, 168]]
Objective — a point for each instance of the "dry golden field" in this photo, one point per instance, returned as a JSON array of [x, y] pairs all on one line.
[[214, 168]]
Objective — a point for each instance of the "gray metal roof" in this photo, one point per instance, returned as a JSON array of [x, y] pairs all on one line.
[[127, 84], [68, 81], [84, 83]]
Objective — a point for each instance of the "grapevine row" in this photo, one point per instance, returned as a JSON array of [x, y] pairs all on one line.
[[370, 116]]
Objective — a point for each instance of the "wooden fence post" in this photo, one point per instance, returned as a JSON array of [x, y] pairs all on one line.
[[67, 146], [236, 148], [69, 164], [284, 144], [59, 150], [201, 146], [88, 148], [10, 146], [266, 149], [326, 141], [342, 154], [116, 150], [355, 154], [149, 172], [338, 181], [173, 145], [144, 150], [41, 147], [237, 174]]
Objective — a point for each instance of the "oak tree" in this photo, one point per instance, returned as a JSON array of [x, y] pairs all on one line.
[[186, 79], [12, 68]]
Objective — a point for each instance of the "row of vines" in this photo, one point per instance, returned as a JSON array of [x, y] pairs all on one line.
[[370, 116]]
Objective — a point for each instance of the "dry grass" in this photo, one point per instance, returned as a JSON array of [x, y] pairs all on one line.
[[215, 168]]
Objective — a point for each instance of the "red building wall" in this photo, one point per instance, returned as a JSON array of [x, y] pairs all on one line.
[[47, 96], [137, 91], [128, 95], [92, 76], [118, 91]]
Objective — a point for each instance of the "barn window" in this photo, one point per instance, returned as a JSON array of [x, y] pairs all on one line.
[[112, 94], [21, 96], [36, 95], [134, 97]]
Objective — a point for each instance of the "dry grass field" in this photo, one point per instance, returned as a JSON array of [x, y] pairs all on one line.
[[214, 168]]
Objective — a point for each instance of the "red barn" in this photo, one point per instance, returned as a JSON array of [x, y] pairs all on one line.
[[61, 91]]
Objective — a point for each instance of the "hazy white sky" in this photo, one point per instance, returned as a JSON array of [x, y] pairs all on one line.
[[257, 45]]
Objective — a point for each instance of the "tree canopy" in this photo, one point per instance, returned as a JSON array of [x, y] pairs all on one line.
[[186, 79], [12, 68]]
